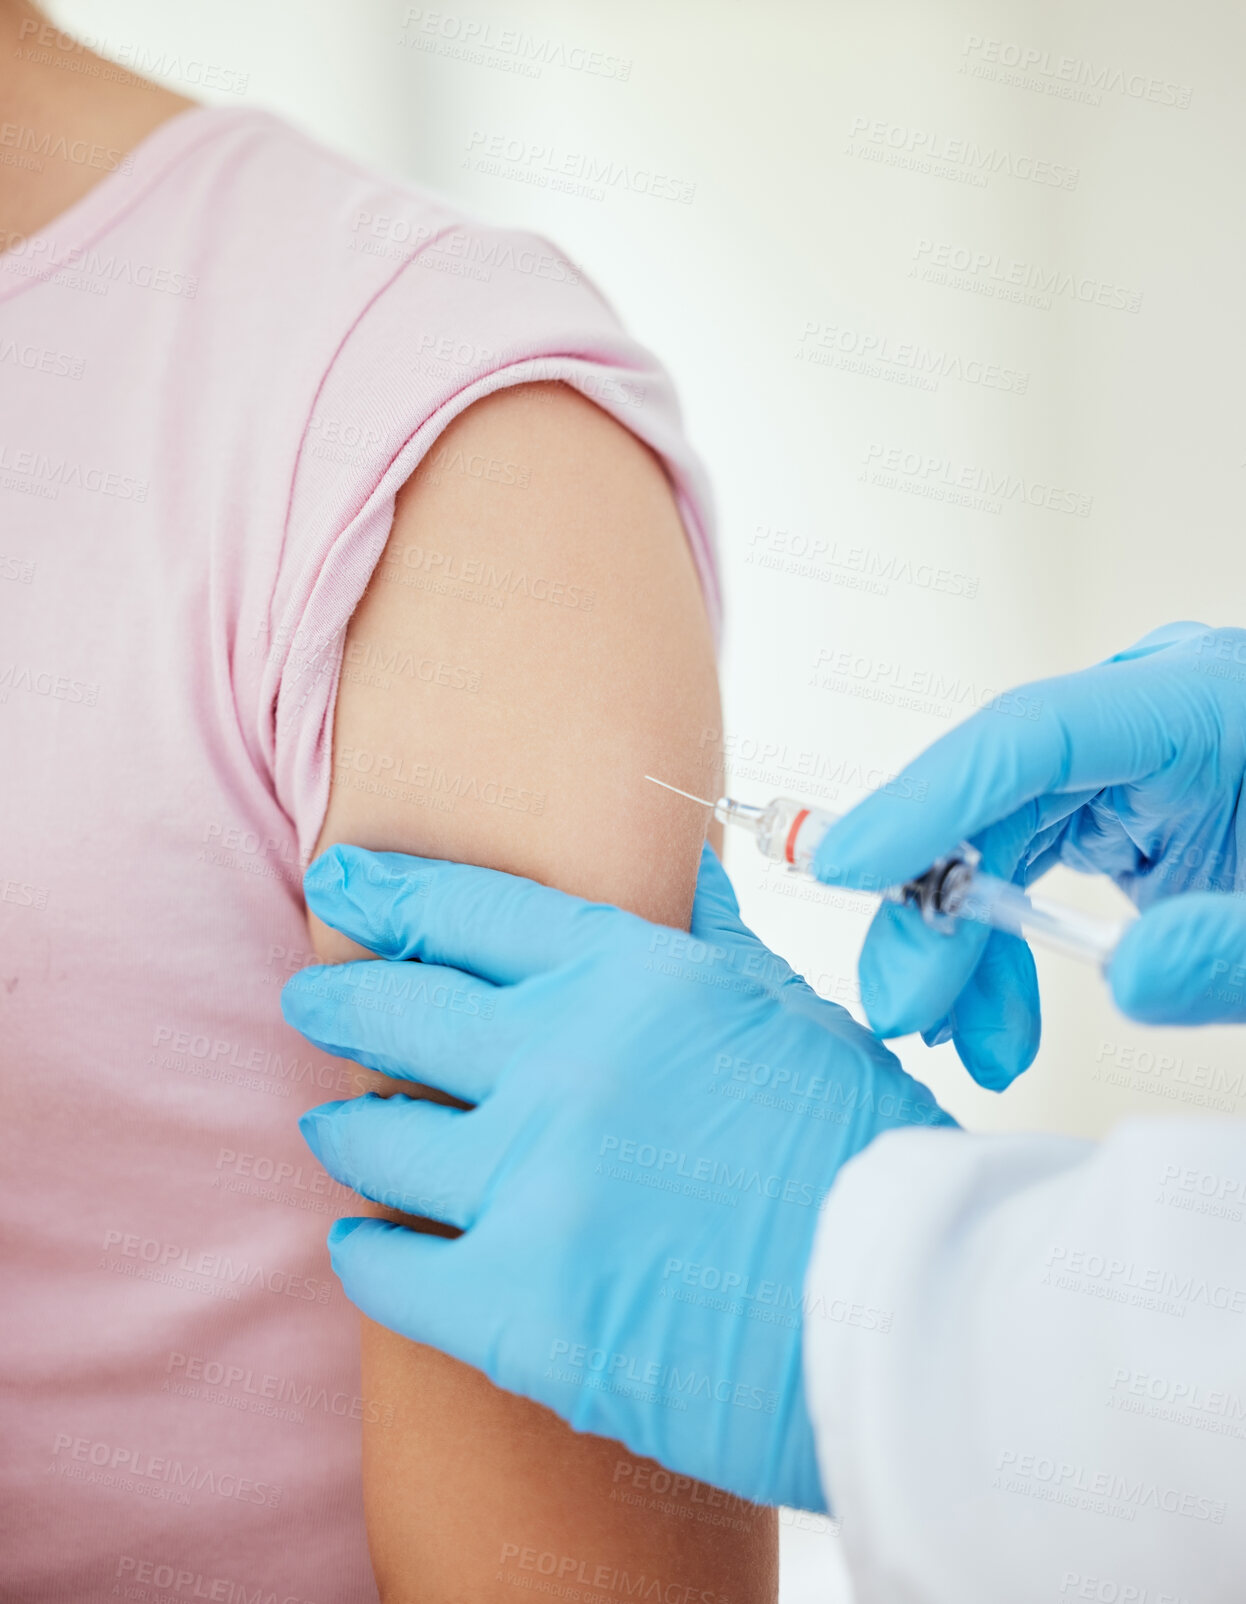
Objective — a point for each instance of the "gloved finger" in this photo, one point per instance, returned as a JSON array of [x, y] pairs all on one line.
[[936, 1035], [1183, 962], [411, 1155], [912, 972], [414, 1021], [413, 1283], [1108, 724], [996, 1021], [1097, 842], [1158, 639], [499, 926], [715, 906], [716, 921]]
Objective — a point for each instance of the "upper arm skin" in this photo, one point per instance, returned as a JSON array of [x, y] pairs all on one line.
[[542, 758]]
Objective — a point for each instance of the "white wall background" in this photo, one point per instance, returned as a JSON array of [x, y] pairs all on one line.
[[824, 150]]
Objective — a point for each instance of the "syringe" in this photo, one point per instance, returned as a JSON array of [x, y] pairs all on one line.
[[952, 888]]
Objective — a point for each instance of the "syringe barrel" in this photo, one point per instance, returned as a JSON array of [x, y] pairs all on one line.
[[789, 832]]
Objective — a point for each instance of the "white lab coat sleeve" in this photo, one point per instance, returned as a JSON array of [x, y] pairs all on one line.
[[1025, 1359]]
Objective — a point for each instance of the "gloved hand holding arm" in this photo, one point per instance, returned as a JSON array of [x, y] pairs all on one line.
[[659, 1117], [1021, 1357], [1133, 769]]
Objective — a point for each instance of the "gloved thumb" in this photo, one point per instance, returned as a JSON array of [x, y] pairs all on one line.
[[716, 921], [1183, 962], [715, 906]]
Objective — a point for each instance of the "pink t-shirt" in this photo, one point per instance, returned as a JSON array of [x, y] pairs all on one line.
[[216, 370]]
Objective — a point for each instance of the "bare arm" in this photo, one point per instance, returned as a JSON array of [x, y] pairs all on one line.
[[516, 736]]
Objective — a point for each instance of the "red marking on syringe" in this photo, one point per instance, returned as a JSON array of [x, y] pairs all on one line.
[[789, 851]]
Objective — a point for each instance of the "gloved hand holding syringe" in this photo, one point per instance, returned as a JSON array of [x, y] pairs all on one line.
[[953, 888]]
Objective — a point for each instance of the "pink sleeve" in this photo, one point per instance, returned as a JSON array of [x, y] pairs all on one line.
[[474, 312]]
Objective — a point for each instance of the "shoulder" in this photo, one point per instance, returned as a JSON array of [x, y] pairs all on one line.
[[532, 643]]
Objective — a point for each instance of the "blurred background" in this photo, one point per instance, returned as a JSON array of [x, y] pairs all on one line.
[[949, 291]]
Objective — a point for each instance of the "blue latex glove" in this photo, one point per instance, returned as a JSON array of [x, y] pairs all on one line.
[[660, 1115], [1133, 769]]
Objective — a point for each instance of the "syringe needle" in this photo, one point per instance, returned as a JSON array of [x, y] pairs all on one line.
[[678, 792]]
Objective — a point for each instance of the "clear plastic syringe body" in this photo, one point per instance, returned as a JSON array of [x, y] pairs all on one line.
[[953, 888]]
